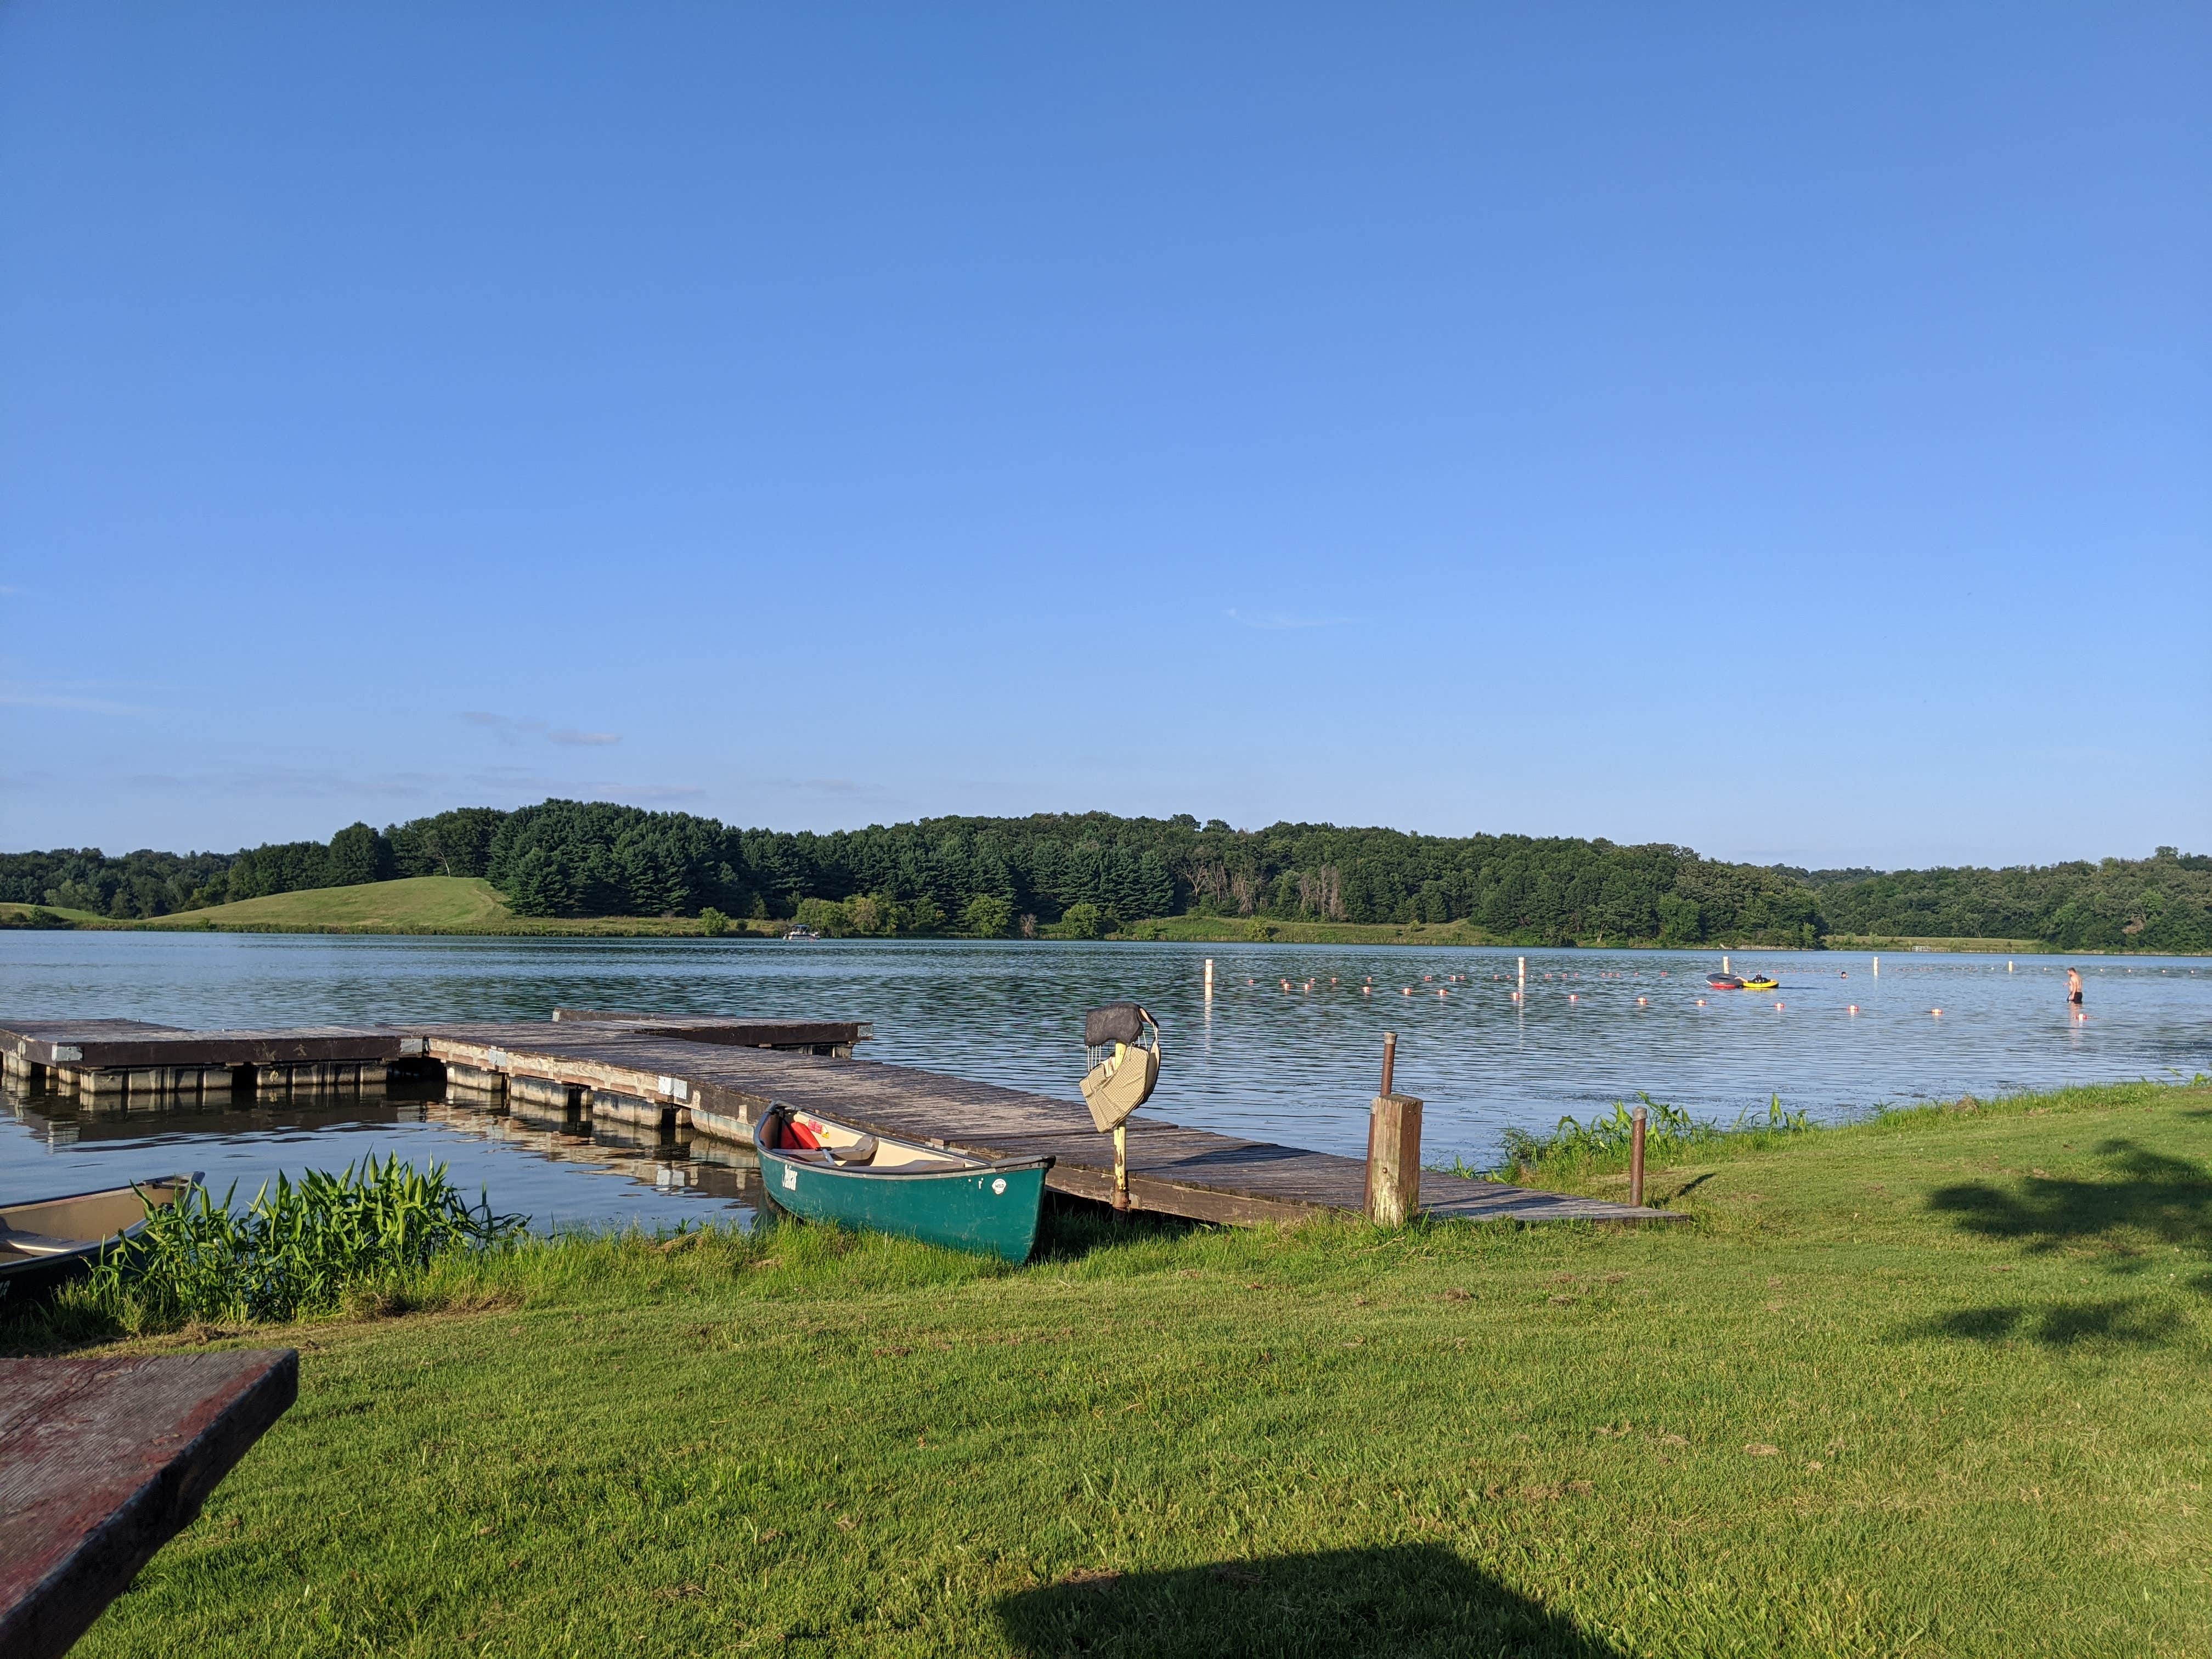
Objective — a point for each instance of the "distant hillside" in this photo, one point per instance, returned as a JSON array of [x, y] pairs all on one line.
[[425, 904], [1085, 875]]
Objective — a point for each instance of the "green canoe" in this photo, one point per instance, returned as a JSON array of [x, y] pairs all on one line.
[[821, 1170]]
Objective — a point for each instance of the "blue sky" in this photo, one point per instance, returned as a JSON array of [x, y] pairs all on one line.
[[1787, 436]]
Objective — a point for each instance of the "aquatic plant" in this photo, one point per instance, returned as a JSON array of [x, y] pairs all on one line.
[[299, 1247], [1606, 1137]]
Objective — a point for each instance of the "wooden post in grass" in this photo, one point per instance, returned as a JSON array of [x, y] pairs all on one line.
[[1636, 1157], [1394, 1148]]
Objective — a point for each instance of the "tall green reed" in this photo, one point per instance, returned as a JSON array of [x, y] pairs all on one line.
[[1605, 1137], [299, 1247]]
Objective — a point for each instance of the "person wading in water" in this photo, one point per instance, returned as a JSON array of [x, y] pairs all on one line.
[[2073, 986]]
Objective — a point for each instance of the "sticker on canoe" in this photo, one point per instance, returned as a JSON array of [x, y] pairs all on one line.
[[999, 1185], [790, 1179]]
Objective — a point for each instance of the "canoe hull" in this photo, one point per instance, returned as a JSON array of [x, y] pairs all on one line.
[[44, 1242], [990, 1210]]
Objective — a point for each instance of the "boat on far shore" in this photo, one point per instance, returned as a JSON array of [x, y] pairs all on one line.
[[802, 932]]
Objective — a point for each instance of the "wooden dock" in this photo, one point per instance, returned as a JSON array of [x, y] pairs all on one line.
[[665, 1073]]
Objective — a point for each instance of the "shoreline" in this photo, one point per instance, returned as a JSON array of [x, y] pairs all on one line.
[[1167, 929]]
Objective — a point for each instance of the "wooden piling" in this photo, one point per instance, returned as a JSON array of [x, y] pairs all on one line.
[[1636, 1157], [1389, 1059], [1394, 1160]]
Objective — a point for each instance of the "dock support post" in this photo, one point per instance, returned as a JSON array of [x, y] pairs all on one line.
[[1121, 1169], [1636, 1157], [1394, 1160]]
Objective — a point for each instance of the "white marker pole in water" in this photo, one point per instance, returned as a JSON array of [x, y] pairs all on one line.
[[1522, 992], [1877, 967], [1209, 977], [1724, 967], [2008, 967]]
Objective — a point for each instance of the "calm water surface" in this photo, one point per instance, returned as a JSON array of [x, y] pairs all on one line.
[[1294, 1065]]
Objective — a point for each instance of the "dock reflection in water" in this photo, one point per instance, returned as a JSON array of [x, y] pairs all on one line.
[[561, 1175]]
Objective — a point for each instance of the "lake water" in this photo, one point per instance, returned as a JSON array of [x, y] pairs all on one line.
[[1295, 1066]]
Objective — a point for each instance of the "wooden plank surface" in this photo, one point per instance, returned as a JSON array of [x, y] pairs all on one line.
[[97, 1044], [102, 1462], [1173, 1171], [723, 1028]]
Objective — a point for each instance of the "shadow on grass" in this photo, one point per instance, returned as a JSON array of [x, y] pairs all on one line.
[[1399, 1599], [35, 1325], [2148, 1194], [2125, 1321], [1072, 1228]]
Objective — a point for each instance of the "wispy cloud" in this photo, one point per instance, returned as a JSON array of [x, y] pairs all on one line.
[[513, 728], [1279, 619], [834, 788], [34, 697]]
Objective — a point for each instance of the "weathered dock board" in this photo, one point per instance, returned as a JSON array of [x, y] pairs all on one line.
[[1172, 1170], [105, 1460], [661, 1073], [129, 1059], [820, 1036]]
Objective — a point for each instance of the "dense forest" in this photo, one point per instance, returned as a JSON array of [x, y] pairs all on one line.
[[1094, 873]]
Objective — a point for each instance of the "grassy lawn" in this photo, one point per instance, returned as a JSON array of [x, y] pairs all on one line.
[[1937, 1384]]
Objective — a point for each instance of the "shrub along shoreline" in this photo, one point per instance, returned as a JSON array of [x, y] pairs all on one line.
[[1932, 1381]]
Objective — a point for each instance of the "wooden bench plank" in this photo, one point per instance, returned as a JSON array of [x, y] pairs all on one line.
[[105, 1461]]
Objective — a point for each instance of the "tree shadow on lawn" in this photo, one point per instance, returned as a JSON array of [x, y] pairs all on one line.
[[1395, 1599], [2148, 1194], [2148, 1198], [2123, 1321]]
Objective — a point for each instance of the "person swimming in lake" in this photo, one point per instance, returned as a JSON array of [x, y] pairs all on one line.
[[2073, 986]]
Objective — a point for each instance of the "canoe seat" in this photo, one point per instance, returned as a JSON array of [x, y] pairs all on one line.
[[862, 1151]]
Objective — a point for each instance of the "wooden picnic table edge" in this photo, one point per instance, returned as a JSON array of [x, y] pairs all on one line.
[[61, 1606]]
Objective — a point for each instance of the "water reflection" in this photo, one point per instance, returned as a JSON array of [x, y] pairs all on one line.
[[557, 1173]]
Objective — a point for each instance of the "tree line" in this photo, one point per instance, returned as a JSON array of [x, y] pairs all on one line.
[[1093, 873]]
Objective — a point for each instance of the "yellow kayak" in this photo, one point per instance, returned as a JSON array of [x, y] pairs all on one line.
[[1762, 984]]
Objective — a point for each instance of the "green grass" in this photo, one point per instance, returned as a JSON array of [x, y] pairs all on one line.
[[414, 904], [1935, 1383], [13, 915]]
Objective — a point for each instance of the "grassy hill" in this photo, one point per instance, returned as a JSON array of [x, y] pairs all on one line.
[[415, 904], [37, 915]]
